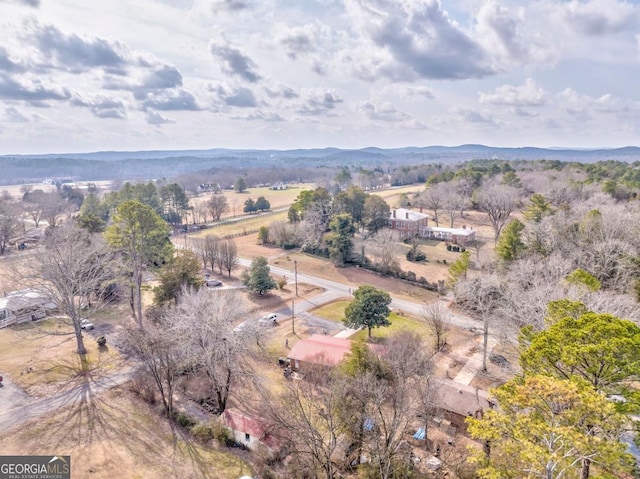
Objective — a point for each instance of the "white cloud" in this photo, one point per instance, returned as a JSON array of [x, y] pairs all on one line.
[[529, 94], [350, 73], [383, 112], [421, 39], [13, 115], [601, 17], [233, 61], [155, 118], [507, 36], [319, 101]]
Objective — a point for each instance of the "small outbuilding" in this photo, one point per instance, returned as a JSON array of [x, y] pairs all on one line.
[[248, 430]]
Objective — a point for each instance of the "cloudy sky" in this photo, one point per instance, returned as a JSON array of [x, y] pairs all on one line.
[[83, 75]]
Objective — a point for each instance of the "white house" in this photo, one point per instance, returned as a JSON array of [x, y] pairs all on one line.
[[460, 236], [24, 305]]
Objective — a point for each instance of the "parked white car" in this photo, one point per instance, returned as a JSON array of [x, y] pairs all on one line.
[[269, 320], [86, 324]]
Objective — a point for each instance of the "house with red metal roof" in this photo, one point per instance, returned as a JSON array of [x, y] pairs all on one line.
[[319, 350], [247, 430]]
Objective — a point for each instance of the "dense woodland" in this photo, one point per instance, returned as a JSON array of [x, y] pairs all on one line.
[[559, 277]]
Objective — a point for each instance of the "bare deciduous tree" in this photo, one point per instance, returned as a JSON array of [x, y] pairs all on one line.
[[162, 357], [481, 297], [434, 199], [228, 256], [384, 249], [282, 233], [218, 206], [437, 317], [454, 203], [200, 212], [210, 250], [498, 201], [52, 205], [204, 321], [307, 418], [73, 270], [393, 401]]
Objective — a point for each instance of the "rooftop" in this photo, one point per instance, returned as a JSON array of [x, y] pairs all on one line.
[[320, 349], [405, 214], [242, 422]]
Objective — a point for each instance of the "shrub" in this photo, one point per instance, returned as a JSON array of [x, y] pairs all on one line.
[[221, 433], [102, 341], [144, 388], [418, 256], [184, 420], [202, 431], [282, 282]]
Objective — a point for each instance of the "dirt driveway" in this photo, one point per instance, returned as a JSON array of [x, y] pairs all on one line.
[[11, 395]]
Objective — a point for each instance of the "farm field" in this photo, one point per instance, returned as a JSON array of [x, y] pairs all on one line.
[[242, 226], [277, 198]]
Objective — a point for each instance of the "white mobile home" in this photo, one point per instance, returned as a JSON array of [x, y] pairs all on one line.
[[24, 305]]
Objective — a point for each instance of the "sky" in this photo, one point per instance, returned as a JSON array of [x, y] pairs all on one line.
[[83, 75]]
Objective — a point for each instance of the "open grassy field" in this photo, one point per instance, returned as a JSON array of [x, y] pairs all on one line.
[[392, 195], [335, 312], [252, 223], [277, 198], [117, 435], [41, 357]]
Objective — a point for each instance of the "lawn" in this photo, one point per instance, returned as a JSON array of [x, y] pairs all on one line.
[[335, 312], [41, 357], [116, 435]]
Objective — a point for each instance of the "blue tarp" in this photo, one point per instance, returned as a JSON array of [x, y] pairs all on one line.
[[368, 424], [419, 435]]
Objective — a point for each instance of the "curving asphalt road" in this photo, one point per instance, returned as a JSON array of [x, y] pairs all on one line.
[[17, 407]]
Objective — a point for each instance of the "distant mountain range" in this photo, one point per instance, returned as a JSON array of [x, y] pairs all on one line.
[[463, 152], [109, 165]]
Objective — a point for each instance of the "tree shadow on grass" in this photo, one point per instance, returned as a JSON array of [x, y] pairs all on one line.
[[110, 424]]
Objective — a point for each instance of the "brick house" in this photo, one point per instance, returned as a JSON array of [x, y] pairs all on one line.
[[407, 222]]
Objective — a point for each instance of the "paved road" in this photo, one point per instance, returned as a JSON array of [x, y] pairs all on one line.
[[335, 290], [18, 407]]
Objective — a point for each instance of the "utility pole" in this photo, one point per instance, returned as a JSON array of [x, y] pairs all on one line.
[[293, 318], [295, 274]]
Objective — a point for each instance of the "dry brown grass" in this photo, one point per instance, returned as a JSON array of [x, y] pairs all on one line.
[[116, 435], [40, 357], [277, 198]]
